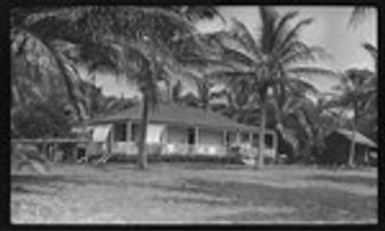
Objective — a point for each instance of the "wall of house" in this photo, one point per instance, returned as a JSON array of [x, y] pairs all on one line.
[[231, 138], [155, 133], [211, 142], [210, 137], [338, 148], [176, 135]]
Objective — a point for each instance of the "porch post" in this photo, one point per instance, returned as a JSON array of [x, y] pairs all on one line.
[[237, 137], [110, 140], [196, 141], [128, 129], [164, 141], [275, 142], [251, 139]]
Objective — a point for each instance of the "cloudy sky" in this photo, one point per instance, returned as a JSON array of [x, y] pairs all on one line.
[[330, 30]]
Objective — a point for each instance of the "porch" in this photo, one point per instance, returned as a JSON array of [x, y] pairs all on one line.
[[169, 139]]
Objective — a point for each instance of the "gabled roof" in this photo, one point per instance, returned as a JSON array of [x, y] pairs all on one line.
[[359, 138], [176, 114]]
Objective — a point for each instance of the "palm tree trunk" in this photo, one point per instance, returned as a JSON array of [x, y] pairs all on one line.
[[352, 151], [261, 146], [142, 158]]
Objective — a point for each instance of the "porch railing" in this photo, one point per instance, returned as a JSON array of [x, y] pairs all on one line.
[[130, 148]]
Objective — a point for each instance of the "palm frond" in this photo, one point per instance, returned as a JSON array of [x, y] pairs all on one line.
[[312, 72], [358, 14], [372, 50], [241, 33], [282, 24], [301, 86], [289, 136], [227, 77], [268, 17], [293, 33], [301, 52]]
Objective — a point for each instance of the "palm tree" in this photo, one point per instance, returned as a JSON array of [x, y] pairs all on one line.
[[359, 13], [204, 94], [354, 87], [359, 93], [320, 120], [141, 44], [367, 122], [371, 96], [269, 62], [176, 92], [26, 43]]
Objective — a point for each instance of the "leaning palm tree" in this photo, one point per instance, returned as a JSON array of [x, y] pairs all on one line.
[[269, 62], [26, 43], [140, 44]]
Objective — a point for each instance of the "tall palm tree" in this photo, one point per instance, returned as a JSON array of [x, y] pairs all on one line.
[[269, 61], [141, 44]]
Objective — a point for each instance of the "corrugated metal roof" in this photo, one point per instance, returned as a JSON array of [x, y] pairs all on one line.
[[177, 114], [359, 138]]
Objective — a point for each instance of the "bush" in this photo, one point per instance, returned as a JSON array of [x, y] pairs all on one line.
[[177, 158]]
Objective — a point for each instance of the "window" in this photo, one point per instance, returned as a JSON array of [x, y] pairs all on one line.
[[255, 140], [245, 137], [269, 141], [191, 136], [134, 132], [230, 138], [120, 132]]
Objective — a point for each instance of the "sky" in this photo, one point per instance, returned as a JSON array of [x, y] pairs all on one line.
[[330, 30]]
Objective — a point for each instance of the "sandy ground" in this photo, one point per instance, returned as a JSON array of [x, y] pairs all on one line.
[[193, 193]]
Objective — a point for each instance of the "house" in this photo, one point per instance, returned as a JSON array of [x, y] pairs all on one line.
[[176, 129], [338, 147]]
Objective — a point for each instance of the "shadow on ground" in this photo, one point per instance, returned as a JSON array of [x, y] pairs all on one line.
[[350, 179], [45, 181], [308, 204]]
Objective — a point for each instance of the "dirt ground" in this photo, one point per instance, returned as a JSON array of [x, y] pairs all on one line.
[[193, 193]]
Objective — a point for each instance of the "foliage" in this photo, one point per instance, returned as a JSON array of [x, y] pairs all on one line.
[[356, 91], [272, 62], [40, 120], [359, 14]]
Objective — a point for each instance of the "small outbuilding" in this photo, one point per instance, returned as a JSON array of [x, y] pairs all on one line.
[[338, 146]]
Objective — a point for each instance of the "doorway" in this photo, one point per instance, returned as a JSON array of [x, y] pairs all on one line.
[[191, 136]]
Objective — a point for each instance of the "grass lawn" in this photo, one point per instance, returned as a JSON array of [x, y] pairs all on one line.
[[193, 193]]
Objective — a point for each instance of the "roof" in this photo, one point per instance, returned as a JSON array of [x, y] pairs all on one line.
[[176, 114], [359, 138]]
